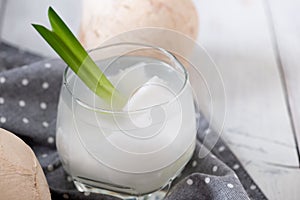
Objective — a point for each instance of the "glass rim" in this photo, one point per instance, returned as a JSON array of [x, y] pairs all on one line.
[[105, 110]]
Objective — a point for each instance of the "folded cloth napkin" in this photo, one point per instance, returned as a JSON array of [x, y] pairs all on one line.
[[28, 107]]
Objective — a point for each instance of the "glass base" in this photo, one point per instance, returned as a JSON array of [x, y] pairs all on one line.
[[156, 195]]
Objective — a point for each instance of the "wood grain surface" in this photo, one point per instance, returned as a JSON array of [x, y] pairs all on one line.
[[258, 129]]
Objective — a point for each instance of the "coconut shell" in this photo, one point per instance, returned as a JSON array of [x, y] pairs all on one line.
[[21, 176], [104, 19]]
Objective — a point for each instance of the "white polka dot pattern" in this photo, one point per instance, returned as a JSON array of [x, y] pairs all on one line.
[[25, 120], [221, 149], [236, 166], [212, 155], [215, 168], [2, 120], [43, 105], [44, 155], [45, 124], [47, 65], [25, 82], [22, 103], [50, 140], [50, 168], [194, 163], [45, 85], [207, 180], [189, 181], [253, 187], [2, 79]]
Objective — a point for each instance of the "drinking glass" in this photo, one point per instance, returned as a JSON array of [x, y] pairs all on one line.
[[136, 151]]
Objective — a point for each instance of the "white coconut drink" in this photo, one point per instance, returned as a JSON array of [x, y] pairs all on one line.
[[135, 150]]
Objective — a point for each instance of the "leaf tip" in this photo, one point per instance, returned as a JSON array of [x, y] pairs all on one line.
[[50, 9], [36, 26]]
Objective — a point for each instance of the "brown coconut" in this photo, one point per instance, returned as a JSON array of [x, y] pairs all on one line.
[[104, 19], [21, 176]]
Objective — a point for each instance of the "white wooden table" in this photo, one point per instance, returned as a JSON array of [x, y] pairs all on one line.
[[256, 44]]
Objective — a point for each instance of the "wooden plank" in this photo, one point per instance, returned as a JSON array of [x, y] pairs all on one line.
[[258, 129], [285, 24], [285, 18], [285, 181], [2, 10]]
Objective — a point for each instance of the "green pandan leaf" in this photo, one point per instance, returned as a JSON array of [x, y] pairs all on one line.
[[58, 46], [66, 45], [60, 28]]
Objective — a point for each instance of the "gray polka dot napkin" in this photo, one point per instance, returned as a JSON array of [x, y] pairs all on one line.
[[28, 104]]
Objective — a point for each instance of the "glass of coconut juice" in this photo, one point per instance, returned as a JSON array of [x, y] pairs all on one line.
[[133, 151]]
